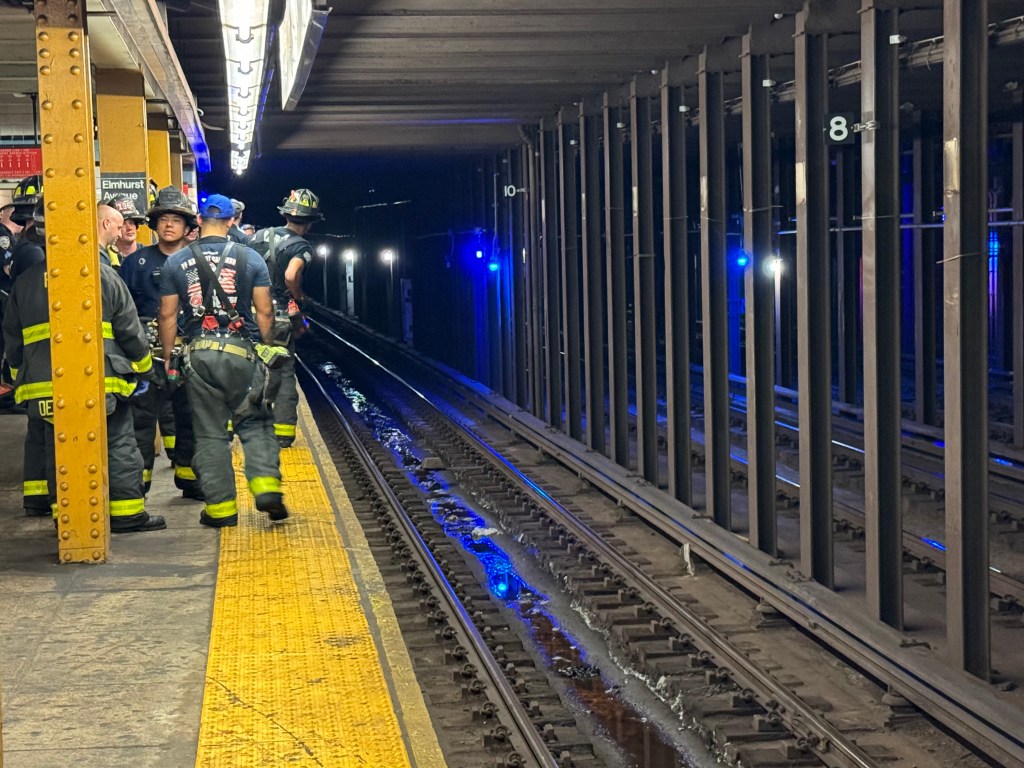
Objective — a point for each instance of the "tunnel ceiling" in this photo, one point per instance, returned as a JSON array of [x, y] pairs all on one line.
[[464, 74]]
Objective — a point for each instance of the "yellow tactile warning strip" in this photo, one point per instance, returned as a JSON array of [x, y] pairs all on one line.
[[294, 676]]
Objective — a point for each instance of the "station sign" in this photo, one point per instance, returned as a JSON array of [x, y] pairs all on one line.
[[134, 185], [19, 162]]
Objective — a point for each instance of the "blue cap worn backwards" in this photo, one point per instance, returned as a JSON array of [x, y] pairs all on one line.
[[217, 207]]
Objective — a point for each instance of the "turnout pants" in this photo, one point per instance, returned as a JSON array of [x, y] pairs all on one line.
[[220, 379], [285, 399], [124, 461], [36, 488], [147, 410]]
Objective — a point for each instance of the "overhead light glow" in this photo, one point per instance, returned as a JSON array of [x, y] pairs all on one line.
[[244, 25], [323, 250], [299, 37], [349, 255], [387, 255]]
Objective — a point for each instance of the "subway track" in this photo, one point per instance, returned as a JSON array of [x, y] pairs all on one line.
[[716, 654]]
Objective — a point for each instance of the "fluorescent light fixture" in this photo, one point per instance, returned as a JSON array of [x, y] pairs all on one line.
[[387, 255], [349, 255], [244, 25], [300, 32], [323, 250]]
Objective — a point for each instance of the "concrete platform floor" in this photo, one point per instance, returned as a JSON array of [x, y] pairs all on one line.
[[102, 665]]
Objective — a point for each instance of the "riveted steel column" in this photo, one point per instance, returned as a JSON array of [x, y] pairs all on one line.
[[76, 338], [176, 167], [552, 295], [594, 308], [615, 254], [847, 279], [570, 257], [159, 142], [965, 325], [677, 290], [881, 209], [1017, 174], [121, 127], [925, 365], [714, 293], [535, 282], [760, 297], [644, 301], [813, 289]]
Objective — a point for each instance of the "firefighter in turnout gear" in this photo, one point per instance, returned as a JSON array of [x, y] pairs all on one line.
[[127, 242], [171, 217], [218, 283], [287, 253], [28, 251], [127, 358]]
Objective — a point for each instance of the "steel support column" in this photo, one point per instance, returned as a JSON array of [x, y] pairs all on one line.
[[644, 301], [677, 290], [714, 293], [881, 211], [615, 255], [159, 142], [121, 122], [570, 264], [552, 293], [76, 338], [535, 276], [1017, 174], [176, 165], [594, 308], [516, 361], [760, 297], [925, 364], [965, 330], [847, 279]]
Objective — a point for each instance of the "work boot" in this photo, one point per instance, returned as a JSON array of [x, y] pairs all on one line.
[[273, 505], [37, 512], [193, 492], [218, 522], [144, 522], [285, 442]]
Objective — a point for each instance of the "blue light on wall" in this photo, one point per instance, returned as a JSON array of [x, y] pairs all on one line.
[[993, 243], [479, 254], [493, 266], [742, 260]]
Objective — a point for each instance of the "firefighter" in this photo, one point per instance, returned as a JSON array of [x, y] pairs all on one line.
[[27, 335], [171, 217], [236, 233], [287, 253], [27, 251], [221, 284], [127, 242]]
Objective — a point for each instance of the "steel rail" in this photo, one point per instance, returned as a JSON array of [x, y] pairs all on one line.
[[532, 740], [963, 703]]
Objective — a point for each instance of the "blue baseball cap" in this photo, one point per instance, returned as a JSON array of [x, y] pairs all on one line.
[[217, 207]]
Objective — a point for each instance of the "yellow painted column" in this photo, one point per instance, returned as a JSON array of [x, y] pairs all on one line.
[[176, 172], [123, 135], [76, 336], [159, 150]]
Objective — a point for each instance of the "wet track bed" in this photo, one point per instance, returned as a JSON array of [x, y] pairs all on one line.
[[757, 688], [618, 717]]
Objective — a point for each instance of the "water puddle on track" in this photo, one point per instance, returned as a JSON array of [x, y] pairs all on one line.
[[633, 739]]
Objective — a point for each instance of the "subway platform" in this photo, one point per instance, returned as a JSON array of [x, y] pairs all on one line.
[[253, 646]]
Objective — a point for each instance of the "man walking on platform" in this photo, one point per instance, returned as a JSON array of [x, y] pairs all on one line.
[[225, 367], [171, 218], [287, 253]]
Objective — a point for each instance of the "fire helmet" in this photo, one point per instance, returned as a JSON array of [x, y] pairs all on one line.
[[302, 206], [126, 207], [172, 200], [27, 195]]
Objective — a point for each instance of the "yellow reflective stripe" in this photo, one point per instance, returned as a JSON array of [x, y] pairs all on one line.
[[168, 441], [41, 389], [284, 430], [127, 507], [14, 373], [35, 333], [231, 425], [223, 509], [147, 475], [35, 391], [260, 485], [118, 386], [144, 365], [184, 473], [108, 331], [53, 511], [35, 488]]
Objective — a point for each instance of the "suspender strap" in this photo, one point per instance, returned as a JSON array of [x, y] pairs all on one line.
[[210, 282]]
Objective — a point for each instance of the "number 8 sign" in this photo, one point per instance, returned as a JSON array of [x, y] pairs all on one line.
[[839, 128]]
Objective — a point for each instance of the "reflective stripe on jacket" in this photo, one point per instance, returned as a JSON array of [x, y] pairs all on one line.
[[27, 336]]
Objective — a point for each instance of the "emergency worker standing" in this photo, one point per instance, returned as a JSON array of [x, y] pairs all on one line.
[[126, 354], [219, 282], [287, 253], [171, 218], [127, 242], [235, 232], [109, 223], [28, 251]]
